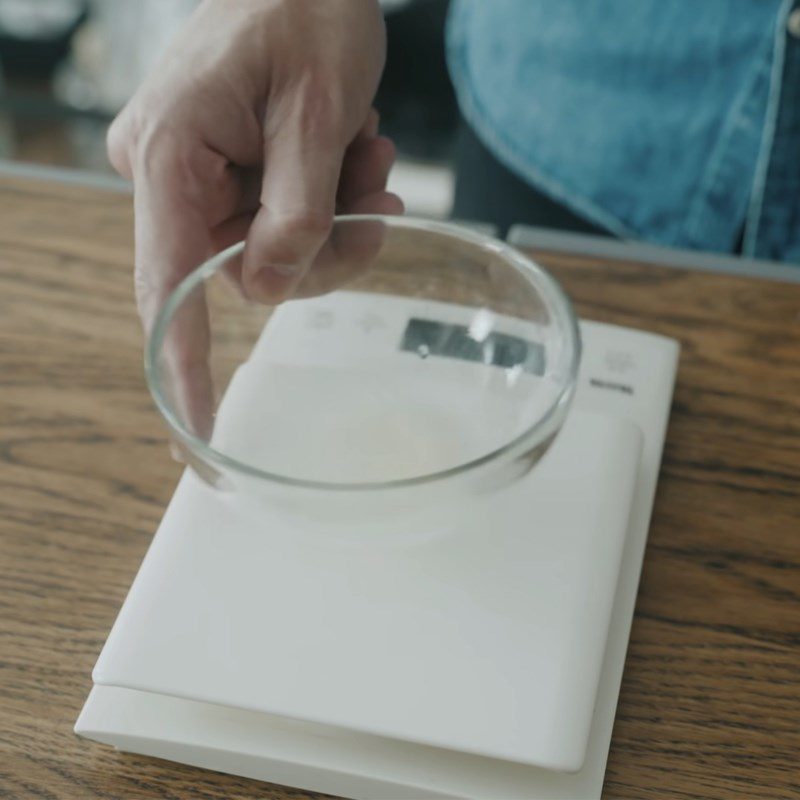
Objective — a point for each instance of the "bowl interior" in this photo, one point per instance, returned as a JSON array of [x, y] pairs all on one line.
[[413, 351]]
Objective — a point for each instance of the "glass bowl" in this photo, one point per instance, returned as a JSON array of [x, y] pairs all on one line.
[[418, 360]]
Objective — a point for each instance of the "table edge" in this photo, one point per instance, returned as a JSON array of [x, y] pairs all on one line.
[[64, 175], [525, 236], [581, 244]]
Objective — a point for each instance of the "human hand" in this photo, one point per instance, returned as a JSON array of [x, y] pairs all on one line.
[[257, 124]]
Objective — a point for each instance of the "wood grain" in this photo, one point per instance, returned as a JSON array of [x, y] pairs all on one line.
[[710, 702]]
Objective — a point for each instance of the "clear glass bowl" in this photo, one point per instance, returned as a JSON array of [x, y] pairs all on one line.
[[420, 359]]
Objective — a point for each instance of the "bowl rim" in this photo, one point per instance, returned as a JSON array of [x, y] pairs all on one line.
[[556, 301]]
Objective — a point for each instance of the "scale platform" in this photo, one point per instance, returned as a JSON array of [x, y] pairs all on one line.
[[481, 665]]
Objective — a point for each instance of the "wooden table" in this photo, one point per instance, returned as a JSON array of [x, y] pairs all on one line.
[[710, 702]]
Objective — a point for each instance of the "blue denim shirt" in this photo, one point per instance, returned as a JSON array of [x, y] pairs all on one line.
[[676, 121]]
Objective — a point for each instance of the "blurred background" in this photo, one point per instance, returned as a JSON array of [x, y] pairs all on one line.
[[67, 67]]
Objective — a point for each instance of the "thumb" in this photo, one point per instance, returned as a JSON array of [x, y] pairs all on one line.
[[302, 162]]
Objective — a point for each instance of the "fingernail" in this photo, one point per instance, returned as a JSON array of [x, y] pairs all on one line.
[[177, 453]]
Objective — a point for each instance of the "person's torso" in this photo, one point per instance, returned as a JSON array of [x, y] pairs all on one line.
[[670, 120]]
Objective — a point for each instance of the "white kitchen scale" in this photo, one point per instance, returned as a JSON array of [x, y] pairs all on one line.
[[484, 664]]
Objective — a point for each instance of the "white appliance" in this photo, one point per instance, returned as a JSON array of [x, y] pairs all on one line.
[[480, 665]]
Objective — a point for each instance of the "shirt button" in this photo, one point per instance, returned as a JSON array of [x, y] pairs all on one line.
[[793, 23]]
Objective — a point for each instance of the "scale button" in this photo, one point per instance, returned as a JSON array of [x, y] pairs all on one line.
[[321, 319], [620, 362], [371, 322]]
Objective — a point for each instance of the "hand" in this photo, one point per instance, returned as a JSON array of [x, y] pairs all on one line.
[[257, 124]]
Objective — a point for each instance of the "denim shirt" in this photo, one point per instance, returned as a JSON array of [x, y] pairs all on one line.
[[676, 121]]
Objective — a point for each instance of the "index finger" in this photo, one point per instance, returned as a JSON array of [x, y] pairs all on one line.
[[172, 239]]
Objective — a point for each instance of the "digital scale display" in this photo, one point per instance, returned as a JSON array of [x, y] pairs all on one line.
[[428, 337]]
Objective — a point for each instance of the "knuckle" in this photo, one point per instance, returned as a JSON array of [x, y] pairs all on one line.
[[146, 298], [120, 142], [155, 149], [175, 158], [151, 290], [145, 288], [321, 108], [387, 149]]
